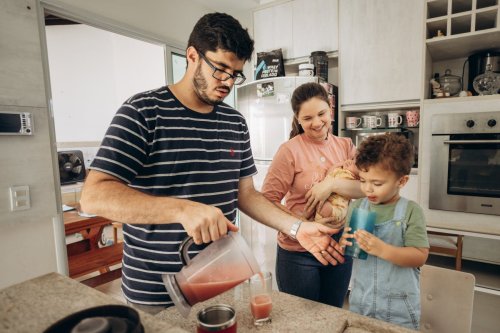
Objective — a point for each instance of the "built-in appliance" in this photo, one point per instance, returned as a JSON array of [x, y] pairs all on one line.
[[465, 163], [16, 123]]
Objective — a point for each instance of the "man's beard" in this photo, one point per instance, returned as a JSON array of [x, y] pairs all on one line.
[[201, 86]]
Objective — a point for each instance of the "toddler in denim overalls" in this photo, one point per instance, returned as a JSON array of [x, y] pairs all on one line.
[[386, 285]]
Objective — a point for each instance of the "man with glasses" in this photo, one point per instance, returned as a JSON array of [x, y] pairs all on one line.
[[176, 161]]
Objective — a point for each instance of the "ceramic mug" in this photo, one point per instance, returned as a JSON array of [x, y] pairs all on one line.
[[412, 118], [394, 119], [352, 122], [371, 121]]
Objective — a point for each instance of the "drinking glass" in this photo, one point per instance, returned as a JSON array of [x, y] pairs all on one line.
[[260, 298], [361, 219]]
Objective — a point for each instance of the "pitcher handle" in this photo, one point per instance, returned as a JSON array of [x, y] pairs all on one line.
[[183, 250]]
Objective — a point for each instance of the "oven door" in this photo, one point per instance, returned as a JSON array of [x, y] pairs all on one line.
[[465, 173]]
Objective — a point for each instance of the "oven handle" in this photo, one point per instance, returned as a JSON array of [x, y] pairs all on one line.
[[450, 142]]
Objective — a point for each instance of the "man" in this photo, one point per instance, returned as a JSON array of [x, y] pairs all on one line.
[[177, 161]]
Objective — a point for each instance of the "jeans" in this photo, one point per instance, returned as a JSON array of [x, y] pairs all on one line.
[[300, 274]]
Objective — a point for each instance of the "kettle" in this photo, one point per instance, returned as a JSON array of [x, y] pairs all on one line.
[[222, 265]]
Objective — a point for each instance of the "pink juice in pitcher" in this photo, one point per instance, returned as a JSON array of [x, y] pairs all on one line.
[[199, 291], [261, 306]]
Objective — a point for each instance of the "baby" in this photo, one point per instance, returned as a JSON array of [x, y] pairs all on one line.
[[336, 205]]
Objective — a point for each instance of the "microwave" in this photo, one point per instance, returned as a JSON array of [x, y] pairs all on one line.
[[16, 123]]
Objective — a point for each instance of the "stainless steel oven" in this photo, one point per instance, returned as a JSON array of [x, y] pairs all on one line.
[[465, 163]]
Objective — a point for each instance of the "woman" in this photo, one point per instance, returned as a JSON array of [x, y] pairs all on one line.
[[297, 174]]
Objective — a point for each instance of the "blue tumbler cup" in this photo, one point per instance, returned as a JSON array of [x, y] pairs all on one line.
[[360, 219]]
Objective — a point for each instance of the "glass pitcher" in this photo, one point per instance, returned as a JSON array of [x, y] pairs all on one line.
[[221, 266]]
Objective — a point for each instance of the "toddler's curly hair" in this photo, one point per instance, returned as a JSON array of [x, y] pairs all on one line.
[[390, 151]]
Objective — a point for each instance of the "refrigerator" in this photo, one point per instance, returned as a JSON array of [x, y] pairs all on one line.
[[265, 104]]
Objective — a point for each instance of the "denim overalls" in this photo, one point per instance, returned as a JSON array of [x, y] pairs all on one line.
[[384, 290]]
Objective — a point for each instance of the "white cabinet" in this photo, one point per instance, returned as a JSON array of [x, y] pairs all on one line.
[[272, 29], [297, 27], [315, 26], [380, 50]]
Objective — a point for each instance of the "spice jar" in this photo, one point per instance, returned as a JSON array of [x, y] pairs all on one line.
[[219, 318]]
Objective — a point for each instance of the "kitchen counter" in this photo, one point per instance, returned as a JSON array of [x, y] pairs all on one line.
[[289, 314], [34, 305]]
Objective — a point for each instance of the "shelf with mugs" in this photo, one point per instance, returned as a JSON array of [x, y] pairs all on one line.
[[458, 28]]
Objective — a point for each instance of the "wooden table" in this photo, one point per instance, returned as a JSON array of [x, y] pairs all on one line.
[[85, 256]]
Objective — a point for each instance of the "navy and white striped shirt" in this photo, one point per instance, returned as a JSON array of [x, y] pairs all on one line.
[[160, 147]]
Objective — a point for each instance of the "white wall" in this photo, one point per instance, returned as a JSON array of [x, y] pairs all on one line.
[[92, 72]]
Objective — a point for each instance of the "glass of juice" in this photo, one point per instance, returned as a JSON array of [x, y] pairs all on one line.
[[260, 298]]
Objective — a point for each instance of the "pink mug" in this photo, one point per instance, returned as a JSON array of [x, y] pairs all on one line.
[[412, 118]]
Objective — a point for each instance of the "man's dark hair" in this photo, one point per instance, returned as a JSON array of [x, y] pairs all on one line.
[[221, 31], [392, 151]]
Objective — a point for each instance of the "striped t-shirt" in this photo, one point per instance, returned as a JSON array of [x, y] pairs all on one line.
[[158, 146]]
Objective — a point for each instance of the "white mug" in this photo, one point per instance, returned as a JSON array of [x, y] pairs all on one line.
[[394, 119], [352, 122], [371, 121]]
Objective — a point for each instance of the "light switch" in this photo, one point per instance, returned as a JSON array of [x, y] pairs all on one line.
[[20, 198]]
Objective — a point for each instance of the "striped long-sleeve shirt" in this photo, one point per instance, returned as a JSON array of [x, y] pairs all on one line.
[[158, 146]]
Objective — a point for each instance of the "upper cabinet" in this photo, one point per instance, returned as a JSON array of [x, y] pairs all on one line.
[[315, 26], [380, 51], [272, 29], [459, 28], [298, 27]]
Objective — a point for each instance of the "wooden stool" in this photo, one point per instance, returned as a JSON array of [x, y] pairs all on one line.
[[446, 243]]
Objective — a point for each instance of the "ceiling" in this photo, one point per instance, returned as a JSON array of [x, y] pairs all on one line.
[[232, 5]]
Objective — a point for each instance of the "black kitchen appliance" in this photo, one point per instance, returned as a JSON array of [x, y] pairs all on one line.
[[71, 166], [477, 65], [105, 318]]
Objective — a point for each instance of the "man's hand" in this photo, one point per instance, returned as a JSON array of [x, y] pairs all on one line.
[[316, 238], [205, 223]]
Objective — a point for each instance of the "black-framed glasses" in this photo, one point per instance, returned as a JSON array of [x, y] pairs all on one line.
[[222, 75]]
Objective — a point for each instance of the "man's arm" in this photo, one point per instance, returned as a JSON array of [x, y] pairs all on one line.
[[107, 196], [314, 237]]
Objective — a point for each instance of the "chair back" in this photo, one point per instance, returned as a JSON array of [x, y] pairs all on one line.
[[446, 298]]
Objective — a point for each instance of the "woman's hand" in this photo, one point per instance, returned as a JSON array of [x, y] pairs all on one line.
[[317, 196]]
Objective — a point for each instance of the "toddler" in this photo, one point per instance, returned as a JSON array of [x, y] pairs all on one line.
[[386, 285]]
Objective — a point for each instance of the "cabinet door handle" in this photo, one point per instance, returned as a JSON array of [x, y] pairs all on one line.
[[455, 142]]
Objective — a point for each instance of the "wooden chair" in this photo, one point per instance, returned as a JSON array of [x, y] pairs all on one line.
[[116, 227], [446, 300], [447, 243]]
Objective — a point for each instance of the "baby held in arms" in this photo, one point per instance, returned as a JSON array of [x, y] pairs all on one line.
[[336, 205]]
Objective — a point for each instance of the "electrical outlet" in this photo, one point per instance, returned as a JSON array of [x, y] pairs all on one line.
[[20, 198]]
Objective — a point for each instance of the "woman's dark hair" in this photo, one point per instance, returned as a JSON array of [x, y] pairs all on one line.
[[221, 31], [302, 94], [391, 150]]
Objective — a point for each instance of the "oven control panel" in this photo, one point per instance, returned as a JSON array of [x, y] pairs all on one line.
[[458, 123]]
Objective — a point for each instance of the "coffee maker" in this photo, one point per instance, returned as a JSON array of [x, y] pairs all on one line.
[[477, 65]]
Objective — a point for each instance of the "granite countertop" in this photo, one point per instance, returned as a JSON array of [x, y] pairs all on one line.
[[289, 314], [34, 305]]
